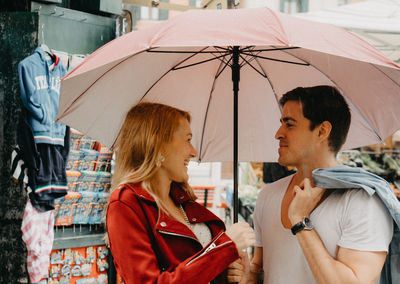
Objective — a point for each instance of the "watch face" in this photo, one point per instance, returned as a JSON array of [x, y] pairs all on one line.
[[307, 223]]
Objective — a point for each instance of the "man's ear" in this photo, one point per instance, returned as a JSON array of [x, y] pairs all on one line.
[[324, 130]]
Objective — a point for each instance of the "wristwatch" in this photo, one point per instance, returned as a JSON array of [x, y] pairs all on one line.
[[304, 224]]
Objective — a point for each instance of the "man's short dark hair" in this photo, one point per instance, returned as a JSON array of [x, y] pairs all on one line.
[[323, 103]]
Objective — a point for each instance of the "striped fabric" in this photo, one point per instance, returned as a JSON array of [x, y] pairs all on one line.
[[48, 139], [38, 234], [51, 186], [18, 169]]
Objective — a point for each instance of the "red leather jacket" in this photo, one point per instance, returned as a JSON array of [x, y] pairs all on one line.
[[137, 259]]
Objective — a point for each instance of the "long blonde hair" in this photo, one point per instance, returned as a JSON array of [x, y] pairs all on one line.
[[146, 129]]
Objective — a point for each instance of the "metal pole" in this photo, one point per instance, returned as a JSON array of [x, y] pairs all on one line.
[[235, 79]]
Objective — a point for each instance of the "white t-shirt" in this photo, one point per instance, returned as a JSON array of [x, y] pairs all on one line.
[[347, 218]]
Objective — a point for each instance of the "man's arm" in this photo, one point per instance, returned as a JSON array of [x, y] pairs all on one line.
[[256, 265], [350, 266]]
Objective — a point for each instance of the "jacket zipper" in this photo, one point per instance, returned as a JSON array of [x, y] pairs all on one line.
[[210, 248], [179, 235]]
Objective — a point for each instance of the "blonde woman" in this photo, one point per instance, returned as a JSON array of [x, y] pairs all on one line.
[[157, 232]]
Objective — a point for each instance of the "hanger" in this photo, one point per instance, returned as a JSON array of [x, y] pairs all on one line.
[[47, 50], [52, 56]]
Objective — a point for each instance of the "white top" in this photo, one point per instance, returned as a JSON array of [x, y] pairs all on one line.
[[201, 230], [347, 218]]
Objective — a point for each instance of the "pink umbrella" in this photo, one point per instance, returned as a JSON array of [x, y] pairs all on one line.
[[182, 62]]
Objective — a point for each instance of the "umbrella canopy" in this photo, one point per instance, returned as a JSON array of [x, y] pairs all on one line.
[[97, 94], [184, 62]]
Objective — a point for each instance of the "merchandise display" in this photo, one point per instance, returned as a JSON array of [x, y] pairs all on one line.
[[84, 265], [34, 179], [89, 182]]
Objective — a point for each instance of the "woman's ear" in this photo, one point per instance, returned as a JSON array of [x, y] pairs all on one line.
[[324, 131]]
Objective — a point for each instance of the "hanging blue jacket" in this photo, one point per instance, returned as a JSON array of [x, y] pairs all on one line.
[[348, 177], [40, 92]]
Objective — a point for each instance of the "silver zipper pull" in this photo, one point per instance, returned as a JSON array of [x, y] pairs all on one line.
[[212, 246]]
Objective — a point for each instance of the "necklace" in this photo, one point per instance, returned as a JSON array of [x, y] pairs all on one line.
[[185, 216]]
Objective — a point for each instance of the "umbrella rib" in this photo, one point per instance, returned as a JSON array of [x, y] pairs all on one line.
[[223, 60], [278, 60], [91, 85], [247, 48], [275, 49], [207, 60], [270, 83], [184, 60], [258, 51], [222, 70], [208, 107], [251, 57], [183, 51], [230, 48], [155, 83], [344, 94], [259, 72], [187, 58], [223, 48], [244, 61], [197, 63], [155, 51], [262, 68]]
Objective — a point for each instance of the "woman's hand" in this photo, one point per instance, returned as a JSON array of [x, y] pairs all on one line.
[[238, 270], [242, 235]]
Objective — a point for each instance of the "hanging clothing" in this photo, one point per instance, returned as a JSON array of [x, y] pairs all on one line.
[[41, 167], [50, 181], [40, 93], [38, 234], [39, 159], [18, 167], [348, 177], [43, 143]]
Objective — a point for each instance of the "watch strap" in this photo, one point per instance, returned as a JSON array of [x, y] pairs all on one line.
[[304, 224], [297, 227]]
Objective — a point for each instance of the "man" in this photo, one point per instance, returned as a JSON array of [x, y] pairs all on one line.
[[307, 234]]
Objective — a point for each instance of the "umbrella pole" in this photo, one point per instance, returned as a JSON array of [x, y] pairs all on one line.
[[235, 79]]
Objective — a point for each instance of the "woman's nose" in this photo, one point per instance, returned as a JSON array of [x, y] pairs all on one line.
[[193, 152]]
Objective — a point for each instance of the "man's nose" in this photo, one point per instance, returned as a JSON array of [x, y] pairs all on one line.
[[279, 134]]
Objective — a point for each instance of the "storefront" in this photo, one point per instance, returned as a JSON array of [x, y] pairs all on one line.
[[71, 30]]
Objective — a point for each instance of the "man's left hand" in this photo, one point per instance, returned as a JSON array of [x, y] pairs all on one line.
[[305, 199]]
